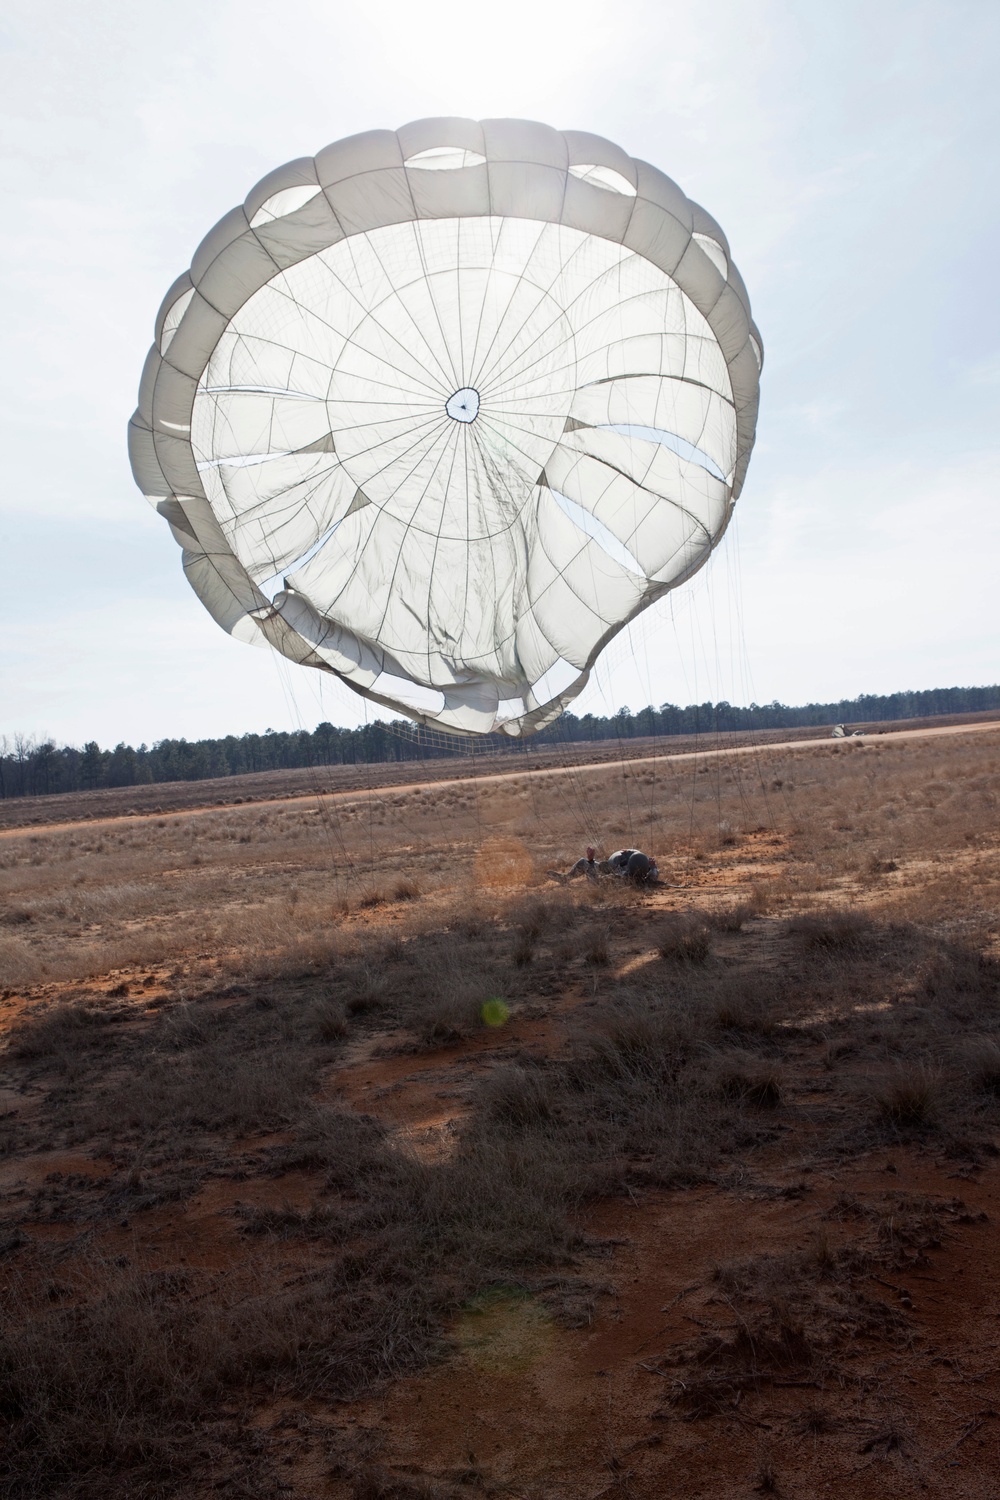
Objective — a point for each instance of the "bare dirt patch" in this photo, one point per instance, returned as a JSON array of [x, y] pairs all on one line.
[[495, 1186]]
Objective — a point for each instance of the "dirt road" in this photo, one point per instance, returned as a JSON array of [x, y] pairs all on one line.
[[494, 777]]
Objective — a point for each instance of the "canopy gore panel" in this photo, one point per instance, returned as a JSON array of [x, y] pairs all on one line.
[[440, 410]]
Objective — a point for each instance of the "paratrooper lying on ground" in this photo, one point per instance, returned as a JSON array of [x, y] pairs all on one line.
[[626, 864]]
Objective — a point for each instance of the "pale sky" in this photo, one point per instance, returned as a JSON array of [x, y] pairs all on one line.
[[849, 150]]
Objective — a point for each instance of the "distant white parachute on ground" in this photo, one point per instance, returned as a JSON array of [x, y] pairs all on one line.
[[440, 410]]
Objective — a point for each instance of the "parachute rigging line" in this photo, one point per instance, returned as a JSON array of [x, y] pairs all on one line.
[[326, 801]]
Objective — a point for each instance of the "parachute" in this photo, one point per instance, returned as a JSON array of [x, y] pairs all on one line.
[[442, 409]]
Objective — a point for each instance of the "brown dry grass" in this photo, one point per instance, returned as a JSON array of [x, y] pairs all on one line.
[[684, 938], [186, 1002], [84, 900]]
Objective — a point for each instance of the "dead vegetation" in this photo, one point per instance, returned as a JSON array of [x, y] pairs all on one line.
[[684, 938], [799, 1001], [910, 1094], [733, 917], [793, 1317], [832, 931]]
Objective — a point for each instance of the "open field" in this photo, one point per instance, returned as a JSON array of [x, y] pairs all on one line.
[[274, 786], [702, 1204]]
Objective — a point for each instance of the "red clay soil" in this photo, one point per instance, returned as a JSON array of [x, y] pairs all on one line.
[[527, 1407], [546, 1411], [586, 1393]]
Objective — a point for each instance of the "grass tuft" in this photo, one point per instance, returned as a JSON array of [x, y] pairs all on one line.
[[523, 951], [684, 938], [57, 1030], [731, 918], [746, 1078], [518, 1098], [979, 1058], [597, 947], [370, 897], [329, 1021], [831, 931], [910, 1095]]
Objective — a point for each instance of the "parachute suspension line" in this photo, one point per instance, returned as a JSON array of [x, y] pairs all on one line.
[[692, 693], [283, 671], [641, 656], [348, 872], [633, 417], [541, 821], [729, 759], [714, 676], [445, 745], [383, 804], [471, 752], [722, 757], [611, 712], [738, 657], [561, 784], [584, 787], [625, 761], [410, 735], [538, 817], [746, 671], [350, 864], [475, 799], [734, 759], [564, 784], [628, 801], [371, 812], [581, 791], [573, 789]]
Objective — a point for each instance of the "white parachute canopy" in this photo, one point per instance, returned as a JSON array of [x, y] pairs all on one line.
[[440, 410]]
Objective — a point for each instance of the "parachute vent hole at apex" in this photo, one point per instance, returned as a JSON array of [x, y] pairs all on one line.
[[364, 373], [463, 406]]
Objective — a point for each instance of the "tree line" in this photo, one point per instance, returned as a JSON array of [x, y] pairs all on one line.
[[31, 768]]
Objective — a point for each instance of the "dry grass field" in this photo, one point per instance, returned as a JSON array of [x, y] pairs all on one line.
[[346, 1153]]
